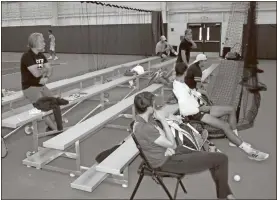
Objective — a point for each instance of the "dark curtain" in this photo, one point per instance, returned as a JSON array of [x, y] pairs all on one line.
[[157, 27]]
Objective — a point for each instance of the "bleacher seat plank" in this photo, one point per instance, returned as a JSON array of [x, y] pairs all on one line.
[[89, 180], [120, 158], [70, 81], [68, 138], [25, 117], [207, 72], [124, 154]]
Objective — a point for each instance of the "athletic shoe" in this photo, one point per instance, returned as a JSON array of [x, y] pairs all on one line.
[[50, 58], [257, 155], [56, 58]]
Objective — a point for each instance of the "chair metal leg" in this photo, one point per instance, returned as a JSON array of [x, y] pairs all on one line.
[[176, 189], [137, 186], [183, 187], [164, 187]]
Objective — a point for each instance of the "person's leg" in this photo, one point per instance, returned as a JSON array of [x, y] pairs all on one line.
[[252, 153], [33, 94], [56, 112], [219, 111], [197, 161]]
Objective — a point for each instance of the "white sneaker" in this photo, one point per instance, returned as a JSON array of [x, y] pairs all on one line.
[[56, 58], [258, 155], [50, 58]]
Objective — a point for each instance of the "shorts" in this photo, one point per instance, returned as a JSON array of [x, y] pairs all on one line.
[[52, 47], [198, 116], [34, 93]]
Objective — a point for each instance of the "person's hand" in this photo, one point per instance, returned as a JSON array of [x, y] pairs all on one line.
[[169, 152], [43, 80], [177, 118], [159, 115], [205, 108]]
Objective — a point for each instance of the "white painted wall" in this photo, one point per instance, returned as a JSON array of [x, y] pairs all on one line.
[[181, 13]]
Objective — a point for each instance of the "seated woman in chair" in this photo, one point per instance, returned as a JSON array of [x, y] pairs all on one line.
[[161, 151], [190, 106]]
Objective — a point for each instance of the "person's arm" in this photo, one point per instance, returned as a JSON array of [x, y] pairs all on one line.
[[158, 48], [47, 68], [194, 46]]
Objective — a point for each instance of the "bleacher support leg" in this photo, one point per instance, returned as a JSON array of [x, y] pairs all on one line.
[[35, 135], [78, 157]]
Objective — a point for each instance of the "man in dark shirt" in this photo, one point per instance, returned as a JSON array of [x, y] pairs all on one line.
[[35, 72], [185, 47], [194, 72], [161, 151]]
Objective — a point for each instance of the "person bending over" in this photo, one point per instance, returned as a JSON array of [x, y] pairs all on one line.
[[35, 73], [161, 151], [192, 108], [163, 49]]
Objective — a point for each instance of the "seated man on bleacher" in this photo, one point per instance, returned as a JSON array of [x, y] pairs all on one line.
[[163, 48], [161, 151], [35, 73], [194, 73], [190, 106]]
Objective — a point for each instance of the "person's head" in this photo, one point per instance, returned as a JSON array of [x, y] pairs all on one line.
[[188, 34], [144, 103], [163, 38], [50, 32], [200, 60], [180, 69], [36, 42]]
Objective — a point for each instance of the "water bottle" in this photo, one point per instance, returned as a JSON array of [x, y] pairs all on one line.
[[212, 148]]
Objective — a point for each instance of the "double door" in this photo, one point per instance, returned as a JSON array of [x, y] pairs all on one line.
[[207, 36]]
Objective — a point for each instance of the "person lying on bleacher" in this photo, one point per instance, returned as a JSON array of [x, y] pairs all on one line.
[[190, 106], [35, 73], [162, 152], [163, 48]]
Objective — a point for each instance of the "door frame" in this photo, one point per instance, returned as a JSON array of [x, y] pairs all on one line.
[[201, 23]]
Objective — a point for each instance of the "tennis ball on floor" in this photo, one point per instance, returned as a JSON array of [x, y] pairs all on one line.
[[237, 178]]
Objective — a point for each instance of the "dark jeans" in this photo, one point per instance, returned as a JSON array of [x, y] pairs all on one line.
[[186, 161]]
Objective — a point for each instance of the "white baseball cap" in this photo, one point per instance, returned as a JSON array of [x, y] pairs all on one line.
[[163, 38], [138, 69], [200, 57]]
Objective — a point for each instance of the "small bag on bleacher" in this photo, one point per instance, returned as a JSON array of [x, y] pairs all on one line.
[[104, 154]]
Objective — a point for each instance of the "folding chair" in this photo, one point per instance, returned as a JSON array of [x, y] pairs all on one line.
[[145, 169]]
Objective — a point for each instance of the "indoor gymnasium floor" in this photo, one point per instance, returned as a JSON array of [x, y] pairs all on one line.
[[258, 180]]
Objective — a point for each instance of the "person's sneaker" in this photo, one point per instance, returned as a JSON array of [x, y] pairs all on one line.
[[56, 58], [48, 129], [258, 155], [50, 58]]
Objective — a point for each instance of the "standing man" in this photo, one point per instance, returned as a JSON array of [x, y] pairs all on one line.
[[35, 72], [184, 51], [52, 46], [185, 47]]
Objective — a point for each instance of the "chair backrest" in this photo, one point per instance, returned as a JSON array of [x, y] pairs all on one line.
[[138, 146]]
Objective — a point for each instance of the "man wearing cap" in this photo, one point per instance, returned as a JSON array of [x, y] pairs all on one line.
[[163, 49], [194, 72]]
